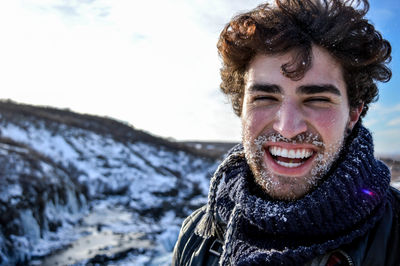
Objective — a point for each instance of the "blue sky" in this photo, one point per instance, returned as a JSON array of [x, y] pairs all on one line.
[[384, 117], [153, 63]]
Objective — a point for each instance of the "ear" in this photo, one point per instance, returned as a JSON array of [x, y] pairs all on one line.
[[355, 113]]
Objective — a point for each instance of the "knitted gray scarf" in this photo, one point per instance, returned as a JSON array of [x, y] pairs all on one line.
[[260, 230]]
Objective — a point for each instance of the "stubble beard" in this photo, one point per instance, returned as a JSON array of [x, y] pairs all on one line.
[[285, 187]]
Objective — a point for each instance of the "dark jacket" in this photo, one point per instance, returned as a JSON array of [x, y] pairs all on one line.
[[380, 246]]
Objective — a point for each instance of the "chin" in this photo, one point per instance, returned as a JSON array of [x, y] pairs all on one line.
[[284, 188]]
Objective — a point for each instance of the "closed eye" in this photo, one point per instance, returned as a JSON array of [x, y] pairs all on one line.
[[318, 102], [265, 98], [318, 99]]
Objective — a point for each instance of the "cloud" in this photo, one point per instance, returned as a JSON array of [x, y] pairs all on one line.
[[384, 109], [394, 122], [383, 120], [68, 10], [369, 122], [382, 17], [387, 141], [395, 133], [73, 11]]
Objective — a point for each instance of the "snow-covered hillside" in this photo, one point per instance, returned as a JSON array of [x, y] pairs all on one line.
[[76, 189]]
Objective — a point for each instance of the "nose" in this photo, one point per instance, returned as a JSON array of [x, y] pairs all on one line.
[[289, 121]]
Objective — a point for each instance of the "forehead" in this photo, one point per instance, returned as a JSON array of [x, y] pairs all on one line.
[[266, 69]]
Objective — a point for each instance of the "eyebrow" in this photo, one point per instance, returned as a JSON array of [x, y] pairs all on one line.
[[305, 89], [314, 89], [268, 88]]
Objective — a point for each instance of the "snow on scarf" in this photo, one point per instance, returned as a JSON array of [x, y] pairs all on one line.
[[260, 230]]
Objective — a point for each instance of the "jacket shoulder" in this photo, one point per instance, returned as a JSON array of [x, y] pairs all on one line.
[[394, 239], [189, 225], [395, 200], [395, 192]]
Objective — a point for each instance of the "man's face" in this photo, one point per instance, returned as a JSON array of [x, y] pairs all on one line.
[[294, 130]]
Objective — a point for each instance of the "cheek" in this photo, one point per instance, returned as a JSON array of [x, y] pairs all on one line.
[[256, 121], [330, 124]]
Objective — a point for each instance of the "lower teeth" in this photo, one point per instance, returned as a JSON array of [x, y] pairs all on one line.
[[289, 165]]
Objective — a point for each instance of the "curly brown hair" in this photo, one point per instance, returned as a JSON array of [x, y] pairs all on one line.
[[338, 26]]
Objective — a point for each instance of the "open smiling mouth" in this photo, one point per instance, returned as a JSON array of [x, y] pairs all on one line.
[[290, 158]]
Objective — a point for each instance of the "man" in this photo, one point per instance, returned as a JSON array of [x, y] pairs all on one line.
[[304, 187]]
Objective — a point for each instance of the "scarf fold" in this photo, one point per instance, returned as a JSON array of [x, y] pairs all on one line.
[[260, 230]]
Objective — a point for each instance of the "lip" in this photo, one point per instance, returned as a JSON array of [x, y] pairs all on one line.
[[278, 169], [290, 146]]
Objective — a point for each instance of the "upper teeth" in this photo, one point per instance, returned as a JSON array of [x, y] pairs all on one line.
[[290, 153]]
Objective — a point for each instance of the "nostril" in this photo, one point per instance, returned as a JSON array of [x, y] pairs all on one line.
[[290, 127]]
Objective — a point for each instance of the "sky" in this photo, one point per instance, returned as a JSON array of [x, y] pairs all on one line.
[[152, 64]]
